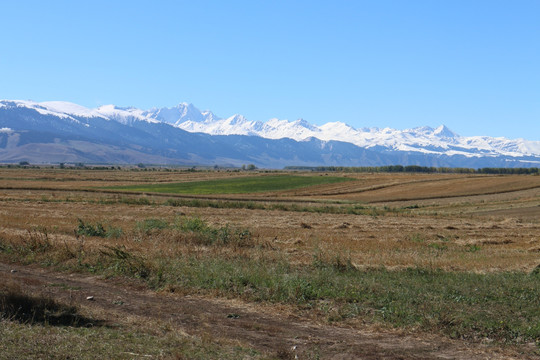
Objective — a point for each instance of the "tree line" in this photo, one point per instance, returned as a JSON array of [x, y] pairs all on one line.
[[416, 169]]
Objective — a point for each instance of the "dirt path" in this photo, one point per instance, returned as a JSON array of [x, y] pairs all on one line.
[[285, 336]]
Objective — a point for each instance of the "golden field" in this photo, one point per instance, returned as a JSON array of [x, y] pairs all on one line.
[[380, 223]]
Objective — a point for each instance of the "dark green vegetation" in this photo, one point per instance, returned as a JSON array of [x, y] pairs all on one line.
[[241, 185], [503, 306], [416, 169]]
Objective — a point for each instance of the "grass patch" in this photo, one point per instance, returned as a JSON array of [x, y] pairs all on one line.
[[149, 225], [502, 306], [240, 185], [203, 234], [120, 341]]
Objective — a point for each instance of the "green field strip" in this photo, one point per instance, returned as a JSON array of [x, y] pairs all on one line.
[[240, 185]]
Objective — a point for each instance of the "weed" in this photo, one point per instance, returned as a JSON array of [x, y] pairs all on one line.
[[114, 232], [336, 262], [417, 238], [193, 225], [88, 229], [438, 246], [207, 235], [473, 248], [35, 242], [125, 263], [97, 229], [149, 225]]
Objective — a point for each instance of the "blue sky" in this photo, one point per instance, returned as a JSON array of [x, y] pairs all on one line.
[[473, 65]]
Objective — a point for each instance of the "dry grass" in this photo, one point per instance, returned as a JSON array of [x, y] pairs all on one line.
[[451, 223], [478, 232]]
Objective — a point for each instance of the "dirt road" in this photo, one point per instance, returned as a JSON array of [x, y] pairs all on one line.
[[284, 336]]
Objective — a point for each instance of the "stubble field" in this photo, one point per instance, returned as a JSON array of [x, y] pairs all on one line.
[[399, 265]]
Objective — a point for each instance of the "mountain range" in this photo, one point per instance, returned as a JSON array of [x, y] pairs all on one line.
[[56, 131]]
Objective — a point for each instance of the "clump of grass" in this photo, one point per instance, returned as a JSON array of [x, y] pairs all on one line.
[[32, 243], [337, 262], [417, 238], [195, 225], [122, 262], [97, 229], [88, 229], [204, 234], [147, 226], [438, 246], [473, 248]]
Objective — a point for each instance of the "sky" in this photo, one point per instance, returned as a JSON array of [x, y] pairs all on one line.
[[472, 65]]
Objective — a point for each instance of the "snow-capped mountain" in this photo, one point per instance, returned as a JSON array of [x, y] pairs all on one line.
[[166, 132], [440, 140]]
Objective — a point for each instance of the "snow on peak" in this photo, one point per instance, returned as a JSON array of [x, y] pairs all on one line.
[[424, 139], [440, 140], [68, 108], [443, 131], [236, 119], [51, 108], [182, 113]]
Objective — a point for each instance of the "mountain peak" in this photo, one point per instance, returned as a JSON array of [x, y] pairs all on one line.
[[420, 140], [181, 113], [303, 123], [444, 132], [236, 119]]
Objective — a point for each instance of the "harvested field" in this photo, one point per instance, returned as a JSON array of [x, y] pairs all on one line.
[[445, 236]]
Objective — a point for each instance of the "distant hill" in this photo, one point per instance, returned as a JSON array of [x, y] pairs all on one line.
[[52, 132]]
